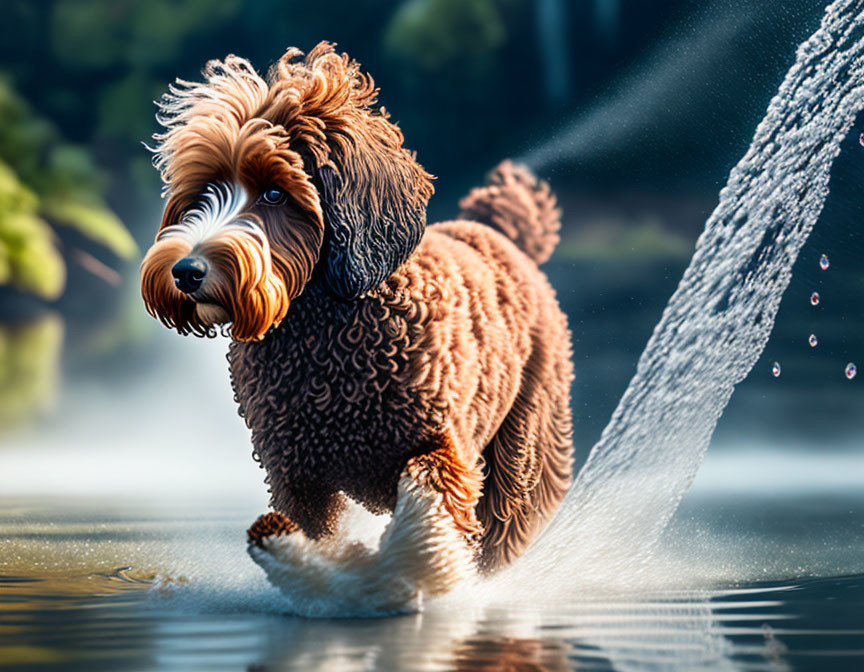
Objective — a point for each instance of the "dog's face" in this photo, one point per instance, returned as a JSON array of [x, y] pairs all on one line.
[[270, 182]]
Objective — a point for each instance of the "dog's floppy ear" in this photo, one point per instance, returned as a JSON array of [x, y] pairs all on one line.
[[373, 192], [375, 214]]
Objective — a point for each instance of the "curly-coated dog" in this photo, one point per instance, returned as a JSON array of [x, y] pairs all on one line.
[[371, 356]]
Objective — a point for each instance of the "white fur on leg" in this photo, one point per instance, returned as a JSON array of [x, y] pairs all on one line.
[[421, 553]]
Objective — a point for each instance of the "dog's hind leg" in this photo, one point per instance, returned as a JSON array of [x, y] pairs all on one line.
[[528, 463]]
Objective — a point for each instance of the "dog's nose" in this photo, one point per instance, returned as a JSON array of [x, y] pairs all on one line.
[[188, 274]]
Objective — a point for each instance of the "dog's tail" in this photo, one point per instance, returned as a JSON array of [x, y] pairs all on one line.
[[518, 205]]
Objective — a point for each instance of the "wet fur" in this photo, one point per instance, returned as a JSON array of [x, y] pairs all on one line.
[[386, 347]]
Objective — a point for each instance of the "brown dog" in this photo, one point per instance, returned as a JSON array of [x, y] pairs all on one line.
[[366, 347]]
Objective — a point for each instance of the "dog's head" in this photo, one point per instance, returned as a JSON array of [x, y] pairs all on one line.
[[270, 181]]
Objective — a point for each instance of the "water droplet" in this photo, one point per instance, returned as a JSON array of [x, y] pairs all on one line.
[[851, 370], [823, 262], [814, 299], [813, 341], [775, 370]]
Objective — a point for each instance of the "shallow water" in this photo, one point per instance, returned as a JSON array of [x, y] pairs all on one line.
[[90, 584]]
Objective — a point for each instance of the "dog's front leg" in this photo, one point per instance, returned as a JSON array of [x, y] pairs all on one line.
[[433, 538], [429, 546], [270, 524], [307, 508], [443, 471]]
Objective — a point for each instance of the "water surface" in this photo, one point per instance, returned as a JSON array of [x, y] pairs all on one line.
[[95, 585]]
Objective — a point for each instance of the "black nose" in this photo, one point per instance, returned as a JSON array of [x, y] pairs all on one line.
[[188, 274]]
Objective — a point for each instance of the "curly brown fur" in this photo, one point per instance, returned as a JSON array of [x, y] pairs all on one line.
[[365, 343], [270, 524], [518, 205], [440, 468]]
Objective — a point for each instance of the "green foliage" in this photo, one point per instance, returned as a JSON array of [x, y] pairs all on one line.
[[29, 369], [452, 38], [94, 34], [43, 180], [95, 221], [28, 258], [127, 53], [126, 113], [620, 239]]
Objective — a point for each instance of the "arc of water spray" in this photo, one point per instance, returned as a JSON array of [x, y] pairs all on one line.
[[718, 321], [661, 88]]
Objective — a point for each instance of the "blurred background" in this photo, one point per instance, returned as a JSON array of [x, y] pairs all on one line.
[[634, 111]]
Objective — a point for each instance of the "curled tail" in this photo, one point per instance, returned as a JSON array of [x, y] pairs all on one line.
[[520, 206]]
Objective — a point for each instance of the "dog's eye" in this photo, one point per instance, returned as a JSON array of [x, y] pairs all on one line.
[[274, 196]]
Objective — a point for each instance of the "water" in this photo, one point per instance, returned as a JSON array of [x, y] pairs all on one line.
[[666, 85], [97, 586], [718, 321]]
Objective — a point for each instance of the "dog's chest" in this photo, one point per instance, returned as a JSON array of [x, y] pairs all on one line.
[[329, 398]]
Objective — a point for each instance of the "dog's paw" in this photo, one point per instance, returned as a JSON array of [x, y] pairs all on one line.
[[269, 525]]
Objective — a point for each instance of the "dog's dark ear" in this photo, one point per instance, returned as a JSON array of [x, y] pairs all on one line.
[[375, 215], [373, 192]]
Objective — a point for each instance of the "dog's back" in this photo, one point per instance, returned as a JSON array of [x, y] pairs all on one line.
[[519, 411]]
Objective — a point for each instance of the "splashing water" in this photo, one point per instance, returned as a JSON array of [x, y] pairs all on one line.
[[718, 321]]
